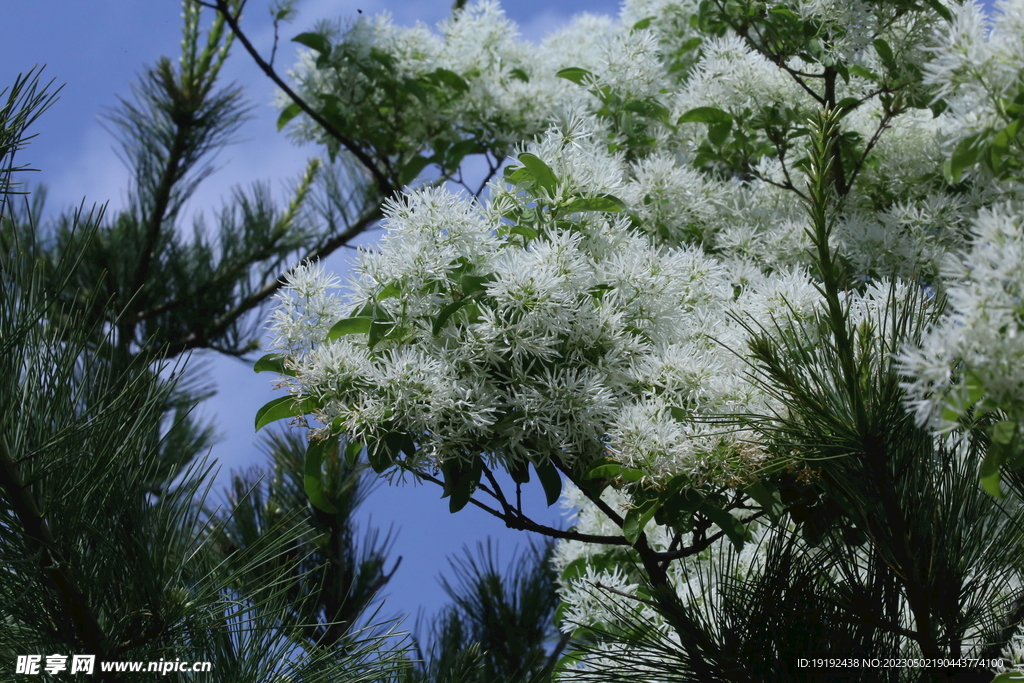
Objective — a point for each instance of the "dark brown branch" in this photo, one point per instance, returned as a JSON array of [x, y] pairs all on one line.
[[383, 182], [596, 500], [498, 494], [522, 523], [55, 567], [882, 126]]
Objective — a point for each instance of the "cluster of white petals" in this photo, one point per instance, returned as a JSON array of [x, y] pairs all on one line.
[[583, 340], [980, 341], [620, 335], [977, 65]]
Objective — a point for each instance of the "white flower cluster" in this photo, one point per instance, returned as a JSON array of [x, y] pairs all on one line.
[[979, 343], [512, 91], [516, 328], [978, 65], [580, 343]]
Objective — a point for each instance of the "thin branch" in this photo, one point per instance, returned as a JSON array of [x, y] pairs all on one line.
[[194, 340], [492, 168], [54, 565], [514, 521], [383, 182], [697, 546], [788, 185], [498, 494], [616, 591], [882, 126]]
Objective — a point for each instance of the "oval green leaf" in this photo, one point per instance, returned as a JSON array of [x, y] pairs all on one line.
[[709, 115], [315, 41], [287, 114], [541, 172], [603, 202], [280, 408], [357, 325], [446, 313], [575, 74], [550, 480], [312, 480], [272, 362]]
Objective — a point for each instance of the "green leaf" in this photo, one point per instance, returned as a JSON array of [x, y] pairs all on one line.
[[767, 496], [312, 480], [1003, 138], [709, 115], [524, 230], [1003, 432], [603, 202], [550, 480], [649, 108], [520, 75], [475, 284], [379, 456], [965, 155], [718, 133], [605, 471], [378, 330], [541, 172], [352, 451], [460, 480], [989, 471], [520, 473], [447, 312], [863, 72], [680, 504], [637, 518], [287, 114], [412, 169], [272, 362], [315, 41], [943, 12], [509, 174], [399, 443], [629, 474], [643, 23], [346, 326], [614, 470], [390, 290], [450, 79], [575, 74], [286, 406], [732, 527], [885, 53]]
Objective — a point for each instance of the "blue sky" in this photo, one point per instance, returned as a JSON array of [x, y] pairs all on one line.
[[96, 49]]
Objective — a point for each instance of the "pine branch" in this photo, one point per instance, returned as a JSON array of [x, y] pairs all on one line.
[[54, 565]]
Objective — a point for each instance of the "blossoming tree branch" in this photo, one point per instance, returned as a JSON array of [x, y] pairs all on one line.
[[745, 295]]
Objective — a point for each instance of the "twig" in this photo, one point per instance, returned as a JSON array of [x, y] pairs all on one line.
[[383, 182], [514, 521]]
